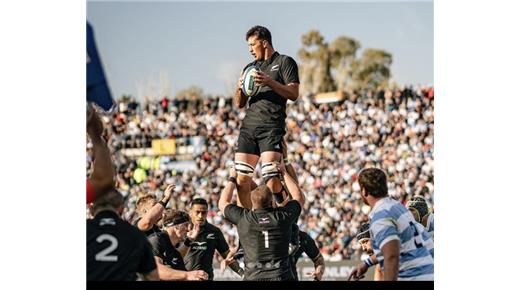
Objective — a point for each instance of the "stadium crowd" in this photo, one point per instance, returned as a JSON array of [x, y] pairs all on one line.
[[327, 144]]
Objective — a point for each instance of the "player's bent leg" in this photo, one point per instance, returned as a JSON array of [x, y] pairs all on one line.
[[270, 145], [270, 161], [245, 166]]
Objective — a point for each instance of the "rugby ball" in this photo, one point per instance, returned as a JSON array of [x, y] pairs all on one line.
[[248, 86]]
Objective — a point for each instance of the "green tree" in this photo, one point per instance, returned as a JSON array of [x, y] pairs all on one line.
[[343, 51], [315, 67], [193, 92], [125, 98], [372, 71], [328, 67]]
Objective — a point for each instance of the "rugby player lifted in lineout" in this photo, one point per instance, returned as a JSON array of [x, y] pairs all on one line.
[[263, 126]]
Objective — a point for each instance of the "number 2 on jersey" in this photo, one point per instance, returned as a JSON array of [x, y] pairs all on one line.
[[266, 238], [104, 256]]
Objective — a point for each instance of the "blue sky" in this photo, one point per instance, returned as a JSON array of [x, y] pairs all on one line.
[[153, 47]]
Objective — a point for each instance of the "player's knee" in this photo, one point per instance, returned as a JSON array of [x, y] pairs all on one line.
[[280, 194], [269, 171], [244, 171]]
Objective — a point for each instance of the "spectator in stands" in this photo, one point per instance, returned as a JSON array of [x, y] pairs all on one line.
[[328, 145]]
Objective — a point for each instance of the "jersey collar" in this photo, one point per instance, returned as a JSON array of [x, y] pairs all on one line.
[[106, 213], [263, 209], [378, 204], [270, 60]]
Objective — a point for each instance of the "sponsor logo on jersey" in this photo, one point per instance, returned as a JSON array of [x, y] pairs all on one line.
[[275, 67], [199, 246], [107, 221], [210, 236], [263, 220]]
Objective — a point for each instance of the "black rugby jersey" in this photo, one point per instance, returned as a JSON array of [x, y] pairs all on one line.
[[265, 235], [163, 248], [200, 254], [116, 250], [265, 106]]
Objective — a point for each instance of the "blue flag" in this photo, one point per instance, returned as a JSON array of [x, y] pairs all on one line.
[[97, 87]]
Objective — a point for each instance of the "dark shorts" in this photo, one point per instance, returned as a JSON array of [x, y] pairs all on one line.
[[258, 140]]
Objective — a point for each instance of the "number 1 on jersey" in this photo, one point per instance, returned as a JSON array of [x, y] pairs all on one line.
[[266, 238]]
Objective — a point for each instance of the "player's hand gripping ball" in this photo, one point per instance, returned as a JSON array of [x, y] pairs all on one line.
[[248, 85]]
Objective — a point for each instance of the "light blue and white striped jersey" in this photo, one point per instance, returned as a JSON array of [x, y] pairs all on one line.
[[390, 220], [426, 237], [429, 225]]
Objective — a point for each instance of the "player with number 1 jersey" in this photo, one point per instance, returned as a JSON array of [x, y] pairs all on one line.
[[264, 231]]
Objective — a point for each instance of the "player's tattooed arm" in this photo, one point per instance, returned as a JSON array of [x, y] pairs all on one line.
[[319, 267]]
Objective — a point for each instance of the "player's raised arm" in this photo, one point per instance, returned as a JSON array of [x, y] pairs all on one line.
[[288, 166], [191, 236], [292, 186], [227, 193], [152, 216]]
